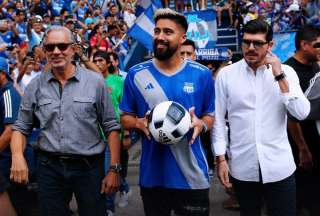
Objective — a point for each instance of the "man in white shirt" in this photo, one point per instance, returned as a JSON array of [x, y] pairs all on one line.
[[256, 93]]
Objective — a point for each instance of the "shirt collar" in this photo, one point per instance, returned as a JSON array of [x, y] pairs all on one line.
[[76, 76]]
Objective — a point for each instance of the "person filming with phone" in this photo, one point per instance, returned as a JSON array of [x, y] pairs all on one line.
[[256, 93]]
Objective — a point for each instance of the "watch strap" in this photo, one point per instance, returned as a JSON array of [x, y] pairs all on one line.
[[115, 168], [281, 76]]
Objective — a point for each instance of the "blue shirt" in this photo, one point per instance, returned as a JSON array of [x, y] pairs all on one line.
[[22, 29], [181, 166], [57, 6], [8, 38], [9, 106], [81, 12]]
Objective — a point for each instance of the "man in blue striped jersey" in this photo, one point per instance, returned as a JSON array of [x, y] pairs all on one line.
[[9, 105], [172, 178]]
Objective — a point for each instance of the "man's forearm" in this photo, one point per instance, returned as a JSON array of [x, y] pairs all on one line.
[[297, 135], [5, 138], [208, 120], [18, 143], [128, 121], [114, 145]]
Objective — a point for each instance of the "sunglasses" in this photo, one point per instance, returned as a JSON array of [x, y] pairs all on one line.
[[316, 45], [61, 46], [256, 44]]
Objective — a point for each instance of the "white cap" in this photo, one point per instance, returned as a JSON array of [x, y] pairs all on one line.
[[249, 3], [293, 7]]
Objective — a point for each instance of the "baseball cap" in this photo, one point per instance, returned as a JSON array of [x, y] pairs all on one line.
[[4, 67], [89, 21], [293, 7]]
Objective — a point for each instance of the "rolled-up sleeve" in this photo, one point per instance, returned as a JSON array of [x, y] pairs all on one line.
[[25, 119], [106, 114], [219, 139], [295, 101]]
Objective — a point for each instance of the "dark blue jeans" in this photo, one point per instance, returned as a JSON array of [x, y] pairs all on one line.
[[280, 197], [58, 179], [160, 201]]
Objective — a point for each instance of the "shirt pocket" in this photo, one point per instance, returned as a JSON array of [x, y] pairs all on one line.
[[45, 111], [83, 107]]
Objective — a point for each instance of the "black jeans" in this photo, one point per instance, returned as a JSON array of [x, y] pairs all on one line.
[[280, 197], [59, 178], [161, 201]]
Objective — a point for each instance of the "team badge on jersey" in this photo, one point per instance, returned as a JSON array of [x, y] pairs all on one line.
[[188, 87]]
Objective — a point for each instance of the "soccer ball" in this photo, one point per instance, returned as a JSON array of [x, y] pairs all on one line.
[[169, 121]]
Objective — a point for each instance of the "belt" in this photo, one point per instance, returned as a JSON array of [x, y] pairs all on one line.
[[64, 157]]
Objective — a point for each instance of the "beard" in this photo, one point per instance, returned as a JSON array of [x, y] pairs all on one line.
[[312, 57], [163, 54], [254, 59]]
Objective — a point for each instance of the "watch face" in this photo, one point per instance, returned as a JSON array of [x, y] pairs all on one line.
[[175, 113], [115, 168]]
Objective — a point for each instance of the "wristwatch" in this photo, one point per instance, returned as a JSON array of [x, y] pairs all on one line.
[[115, 168], [281, 76]]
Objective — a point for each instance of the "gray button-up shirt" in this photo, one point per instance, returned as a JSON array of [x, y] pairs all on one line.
[[69, 119]]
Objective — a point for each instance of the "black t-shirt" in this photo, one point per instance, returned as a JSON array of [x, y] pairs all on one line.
[[309, 129]]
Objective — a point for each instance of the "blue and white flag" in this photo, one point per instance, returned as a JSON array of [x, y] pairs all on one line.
[[284, 46], [203, 31], [202, 28], [142, 5], [142, 29]]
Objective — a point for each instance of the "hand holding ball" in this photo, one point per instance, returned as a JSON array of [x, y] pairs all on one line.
[[168, 122]]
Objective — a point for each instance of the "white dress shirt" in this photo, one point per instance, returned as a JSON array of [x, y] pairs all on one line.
[[257, 114]]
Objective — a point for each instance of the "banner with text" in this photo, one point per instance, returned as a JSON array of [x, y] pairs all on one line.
[[203, 31]]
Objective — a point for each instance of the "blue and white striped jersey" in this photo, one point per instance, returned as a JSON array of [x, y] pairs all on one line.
[[9, 106], [180, 166]]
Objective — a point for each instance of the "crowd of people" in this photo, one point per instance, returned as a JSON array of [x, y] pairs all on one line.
[[283, 15], [70, 110]]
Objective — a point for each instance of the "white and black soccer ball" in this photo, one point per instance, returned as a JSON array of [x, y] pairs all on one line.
[[169, 121]]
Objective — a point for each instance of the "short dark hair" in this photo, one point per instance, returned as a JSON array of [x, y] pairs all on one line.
[[308, 33], [259, 26], [189, 42], [102, 54], [111, 27], [166, 13]]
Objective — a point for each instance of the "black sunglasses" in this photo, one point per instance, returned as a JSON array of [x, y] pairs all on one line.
[[316, 45], [256, 44], [61, 46]]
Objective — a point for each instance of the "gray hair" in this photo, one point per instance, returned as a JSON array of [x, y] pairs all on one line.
[[59, 28]]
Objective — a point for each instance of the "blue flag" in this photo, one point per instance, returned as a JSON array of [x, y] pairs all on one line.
[[142, 29], [202, 28], [284, 46], [203, 31], [142, 5]]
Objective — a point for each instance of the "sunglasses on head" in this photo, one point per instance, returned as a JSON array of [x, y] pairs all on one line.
[[316, 45], [60, 46], [256, 44]]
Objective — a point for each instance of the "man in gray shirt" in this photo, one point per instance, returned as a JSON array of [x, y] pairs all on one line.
[[71, 105]]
